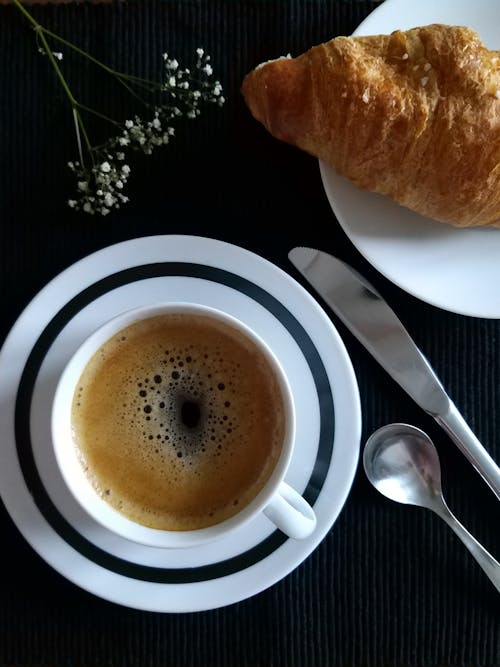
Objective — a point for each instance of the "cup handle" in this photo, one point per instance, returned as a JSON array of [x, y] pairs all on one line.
[[289, 512]]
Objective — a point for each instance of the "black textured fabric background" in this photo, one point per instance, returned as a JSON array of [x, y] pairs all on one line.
[[389, 585]]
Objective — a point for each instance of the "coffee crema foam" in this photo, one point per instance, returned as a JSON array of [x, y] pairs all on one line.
[[178, 421]]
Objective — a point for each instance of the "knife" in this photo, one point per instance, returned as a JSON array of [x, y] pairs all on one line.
[[365, 313]]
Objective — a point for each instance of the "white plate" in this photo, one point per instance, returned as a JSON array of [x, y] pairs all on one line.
[[455, 269], [135, 273]]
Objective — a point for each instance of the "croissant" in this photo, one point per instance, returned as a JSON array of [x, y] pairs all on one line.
[[413, 115]]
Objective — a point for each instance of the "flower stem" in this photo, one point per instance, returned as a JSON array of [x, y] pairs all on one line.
[[56, 67], [26, 13], [78, 138], [79, 125], [77, 49], [96, 61], [123, 78], [83, 107], [40, 33]]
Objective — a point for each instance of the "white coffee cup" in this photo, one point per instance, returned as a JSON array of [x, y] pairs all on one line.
[[279, 502]]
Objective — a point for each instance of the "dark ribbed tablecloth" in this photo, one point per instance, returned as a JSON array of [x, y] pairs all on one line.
[[389, 585]]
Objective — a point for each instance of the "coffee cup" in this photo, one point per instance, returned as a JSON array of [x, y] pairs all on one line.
[[174, 424]]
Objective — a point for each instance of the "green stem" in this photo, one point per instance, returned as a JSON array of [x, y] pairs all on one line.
[[96, 61], [79, 125], [123, 78], [57, 37], [26, 13], [57, 69], [40, 33], [129, 89], [75, 48], [78, 138], [119, 76], [83, 107], [85, 135]]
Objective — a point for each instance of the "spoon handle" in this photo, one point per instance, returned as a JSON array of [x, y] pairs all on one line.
[[490, 566]]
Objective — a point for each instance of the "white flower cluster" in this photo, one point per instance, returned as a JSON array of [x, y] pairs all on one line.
[[188, 91], [100, 188], [57, 54], [145, 135]]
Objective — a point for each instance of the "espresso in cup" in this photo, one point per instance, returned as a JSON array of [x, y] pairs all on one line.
[[178, 421]]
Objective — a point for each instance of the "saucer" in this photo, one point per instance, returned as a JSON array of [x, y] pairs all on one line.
[[137, 273]]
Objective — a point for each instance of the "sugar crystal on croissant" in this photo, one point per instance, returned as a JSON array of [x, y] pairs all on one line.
[[413, 115]]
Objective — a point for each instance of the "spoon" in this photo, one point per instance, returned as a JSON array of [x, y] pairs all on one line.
[[402, 463]]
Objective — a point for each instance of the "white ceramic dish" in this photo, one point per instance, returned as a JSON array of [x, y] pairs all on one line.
[[454, 269], [136, 273]]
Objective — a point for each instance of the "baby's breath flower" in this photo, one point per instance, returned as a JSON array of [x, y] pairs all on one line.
[[100, 187], [101, 172], [103, 181], [57, 54]]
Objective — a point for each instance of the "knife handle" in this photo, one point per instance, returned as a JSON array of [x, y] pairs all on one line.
[[459, 431]]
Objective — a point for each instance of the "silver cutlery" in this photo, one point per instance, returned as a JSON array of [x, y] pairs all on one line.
[[402, 464], [362, 309]]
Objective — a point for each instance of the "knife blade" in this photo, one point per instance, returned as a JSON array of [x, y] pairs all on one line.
[[365, 313]]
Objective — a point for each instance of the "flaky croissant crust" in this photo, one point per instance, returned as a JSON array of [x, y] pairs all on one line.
[[413, 115]]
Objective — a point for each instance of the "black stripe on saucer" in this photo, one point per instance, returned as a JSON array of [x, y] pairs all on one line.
[[23, 407]]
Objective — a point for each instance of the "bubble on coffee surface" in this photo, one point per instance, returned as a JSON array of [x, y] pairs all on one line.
[[184, 408], [199, 419]]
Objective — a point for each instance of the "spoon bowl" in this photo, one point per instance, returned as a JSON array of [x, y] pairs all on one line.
[[402, 463]]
